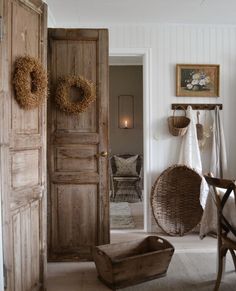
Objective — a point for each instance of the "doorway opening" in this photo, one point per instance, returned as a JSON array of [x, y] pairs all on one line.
[[141, 57], [126, 143]]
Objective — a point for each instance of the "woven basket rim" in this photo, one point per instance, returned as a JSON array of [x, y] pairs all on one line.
[[178, 125], [169, 169]]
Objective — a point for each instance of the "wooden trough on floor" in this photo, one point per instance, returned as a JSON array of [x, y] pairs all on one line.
[[129, 263]]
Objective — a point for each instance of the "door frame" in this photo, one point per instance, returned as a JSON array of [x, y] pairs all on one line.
[[146, 55]]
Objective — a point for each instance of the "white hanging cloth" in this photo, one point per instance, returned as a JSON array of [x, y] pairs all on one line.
[[218, 166], [190, 154], [189, 151]]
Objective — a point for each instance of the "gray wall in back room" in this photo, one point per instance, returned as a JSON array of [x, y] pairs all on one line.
[[126, 80]]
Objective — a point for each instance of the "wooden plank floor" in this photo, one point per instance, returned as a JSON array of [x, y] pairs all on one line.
[[193, 267]]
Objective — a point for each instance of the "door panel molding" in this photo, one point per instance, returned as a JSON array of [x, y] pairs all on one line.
[[35, 5]]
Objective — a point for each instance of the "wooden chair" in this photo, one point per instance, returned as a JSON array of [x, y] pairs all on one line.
[[135, 181], [225, 244]]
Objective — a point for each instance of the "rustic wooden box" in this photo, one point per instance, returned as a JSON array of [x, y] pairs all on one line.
[[128, 263]]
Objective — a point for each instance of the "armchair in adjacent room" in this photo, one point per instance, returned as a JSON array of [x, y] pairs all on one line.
[[126, 168]]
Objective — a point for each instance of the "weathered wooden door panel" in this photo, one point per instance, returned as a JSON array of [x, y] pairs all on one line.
[[78, 175], [24, 196], [26, 245]]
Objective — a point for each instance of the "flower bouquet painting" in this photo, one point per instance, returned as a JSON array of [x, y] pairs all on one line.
[[197, 80]]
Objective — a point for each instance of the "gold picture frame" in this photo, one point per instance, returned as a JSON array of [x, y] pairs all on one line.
[[197, 80]]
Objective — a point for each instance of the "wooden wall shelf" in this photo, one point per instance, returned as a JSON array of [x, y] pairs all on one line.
[[195, 106]]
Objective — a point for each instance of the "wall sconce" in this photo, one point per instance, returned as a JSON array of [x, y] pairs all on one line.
[[126, 111]]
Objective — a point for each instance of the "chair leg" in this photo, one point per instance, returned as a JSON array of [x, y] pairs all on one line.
[[138, 190], [115, 189], [112, 189], [221, 264], [140, 194], [234, 257]]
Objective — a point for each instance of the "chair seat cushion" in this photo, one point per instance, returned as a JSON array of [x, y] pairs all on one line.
[[126, 167]]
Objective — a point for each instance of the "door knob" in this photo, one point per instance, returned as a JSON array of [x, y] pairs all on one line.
[[102, 154]]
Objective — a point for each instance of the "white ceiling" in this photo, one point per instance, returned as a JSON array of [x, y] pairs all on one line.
[[74, 13]]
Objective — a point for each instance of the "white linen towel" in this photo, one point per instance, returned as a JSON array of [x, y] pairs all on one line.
[[218, 166], [190, 154]]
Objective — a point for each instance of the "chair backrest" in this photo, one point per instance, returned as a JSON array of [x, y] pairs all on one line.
[[126, 156], [229, 186]]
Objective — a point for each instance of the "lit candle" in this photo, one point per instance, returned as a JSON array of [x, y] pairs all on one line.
[[126, 123]]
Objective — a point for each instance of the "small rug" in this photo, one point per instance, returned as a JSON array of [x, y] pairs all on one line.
[[120, 216]]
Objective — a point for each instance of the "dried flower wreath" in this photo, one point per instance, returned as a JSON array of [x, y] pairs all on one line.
[[63, 100], [30, 82]]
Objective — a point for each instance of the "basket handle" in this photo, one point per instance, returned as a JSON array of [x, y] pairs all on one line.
[[179, 106]]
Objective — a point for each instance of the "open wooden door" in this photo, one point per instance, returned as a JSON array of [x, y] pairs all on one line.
[[77, 148], [22, 151]]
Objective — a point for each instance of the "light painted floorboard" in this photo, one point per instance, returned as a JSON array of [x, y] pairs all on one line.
[[193, 267]]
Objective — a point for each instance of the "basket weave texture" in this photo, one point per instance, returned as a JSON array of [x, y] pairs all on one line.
[[178, 125], [175, 200]]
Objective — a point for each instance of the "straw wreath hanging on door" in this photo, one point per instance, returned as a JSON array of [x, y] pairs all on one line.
[[86, 91], [30, 82]]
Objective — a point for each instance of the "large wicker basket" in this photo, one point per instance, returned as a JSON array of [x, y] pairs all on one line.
[[175, 200], [178, 125]]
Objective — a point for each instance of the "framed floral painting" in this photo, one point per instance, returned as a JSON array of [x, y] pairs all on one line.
[[197, 80]]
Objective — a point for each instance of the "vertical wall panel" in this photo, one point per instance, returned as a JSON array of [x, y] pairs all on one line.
[[179, 43]]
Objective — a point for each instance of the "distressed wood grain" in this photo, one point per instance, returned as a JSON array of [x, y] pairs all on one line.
[[78, 177], [22, 151]]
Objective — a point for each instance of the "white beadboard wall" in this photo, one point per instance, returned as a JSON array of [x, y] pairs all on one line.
[[172, 44]]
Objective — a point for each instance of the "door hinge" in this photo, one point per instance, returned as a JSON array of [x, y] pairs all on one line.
[[1, 28], [5, 276]]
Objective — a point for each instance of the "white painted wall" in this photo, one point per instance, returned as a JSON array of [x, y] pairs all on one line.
[[173, 44]]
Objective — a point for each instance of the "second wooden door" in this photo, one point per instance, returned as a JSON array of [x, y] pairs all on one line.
[[78, 202]]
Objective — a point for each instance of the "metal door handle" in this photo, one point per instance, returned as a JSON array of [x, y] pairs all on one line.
[[102, 154]]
